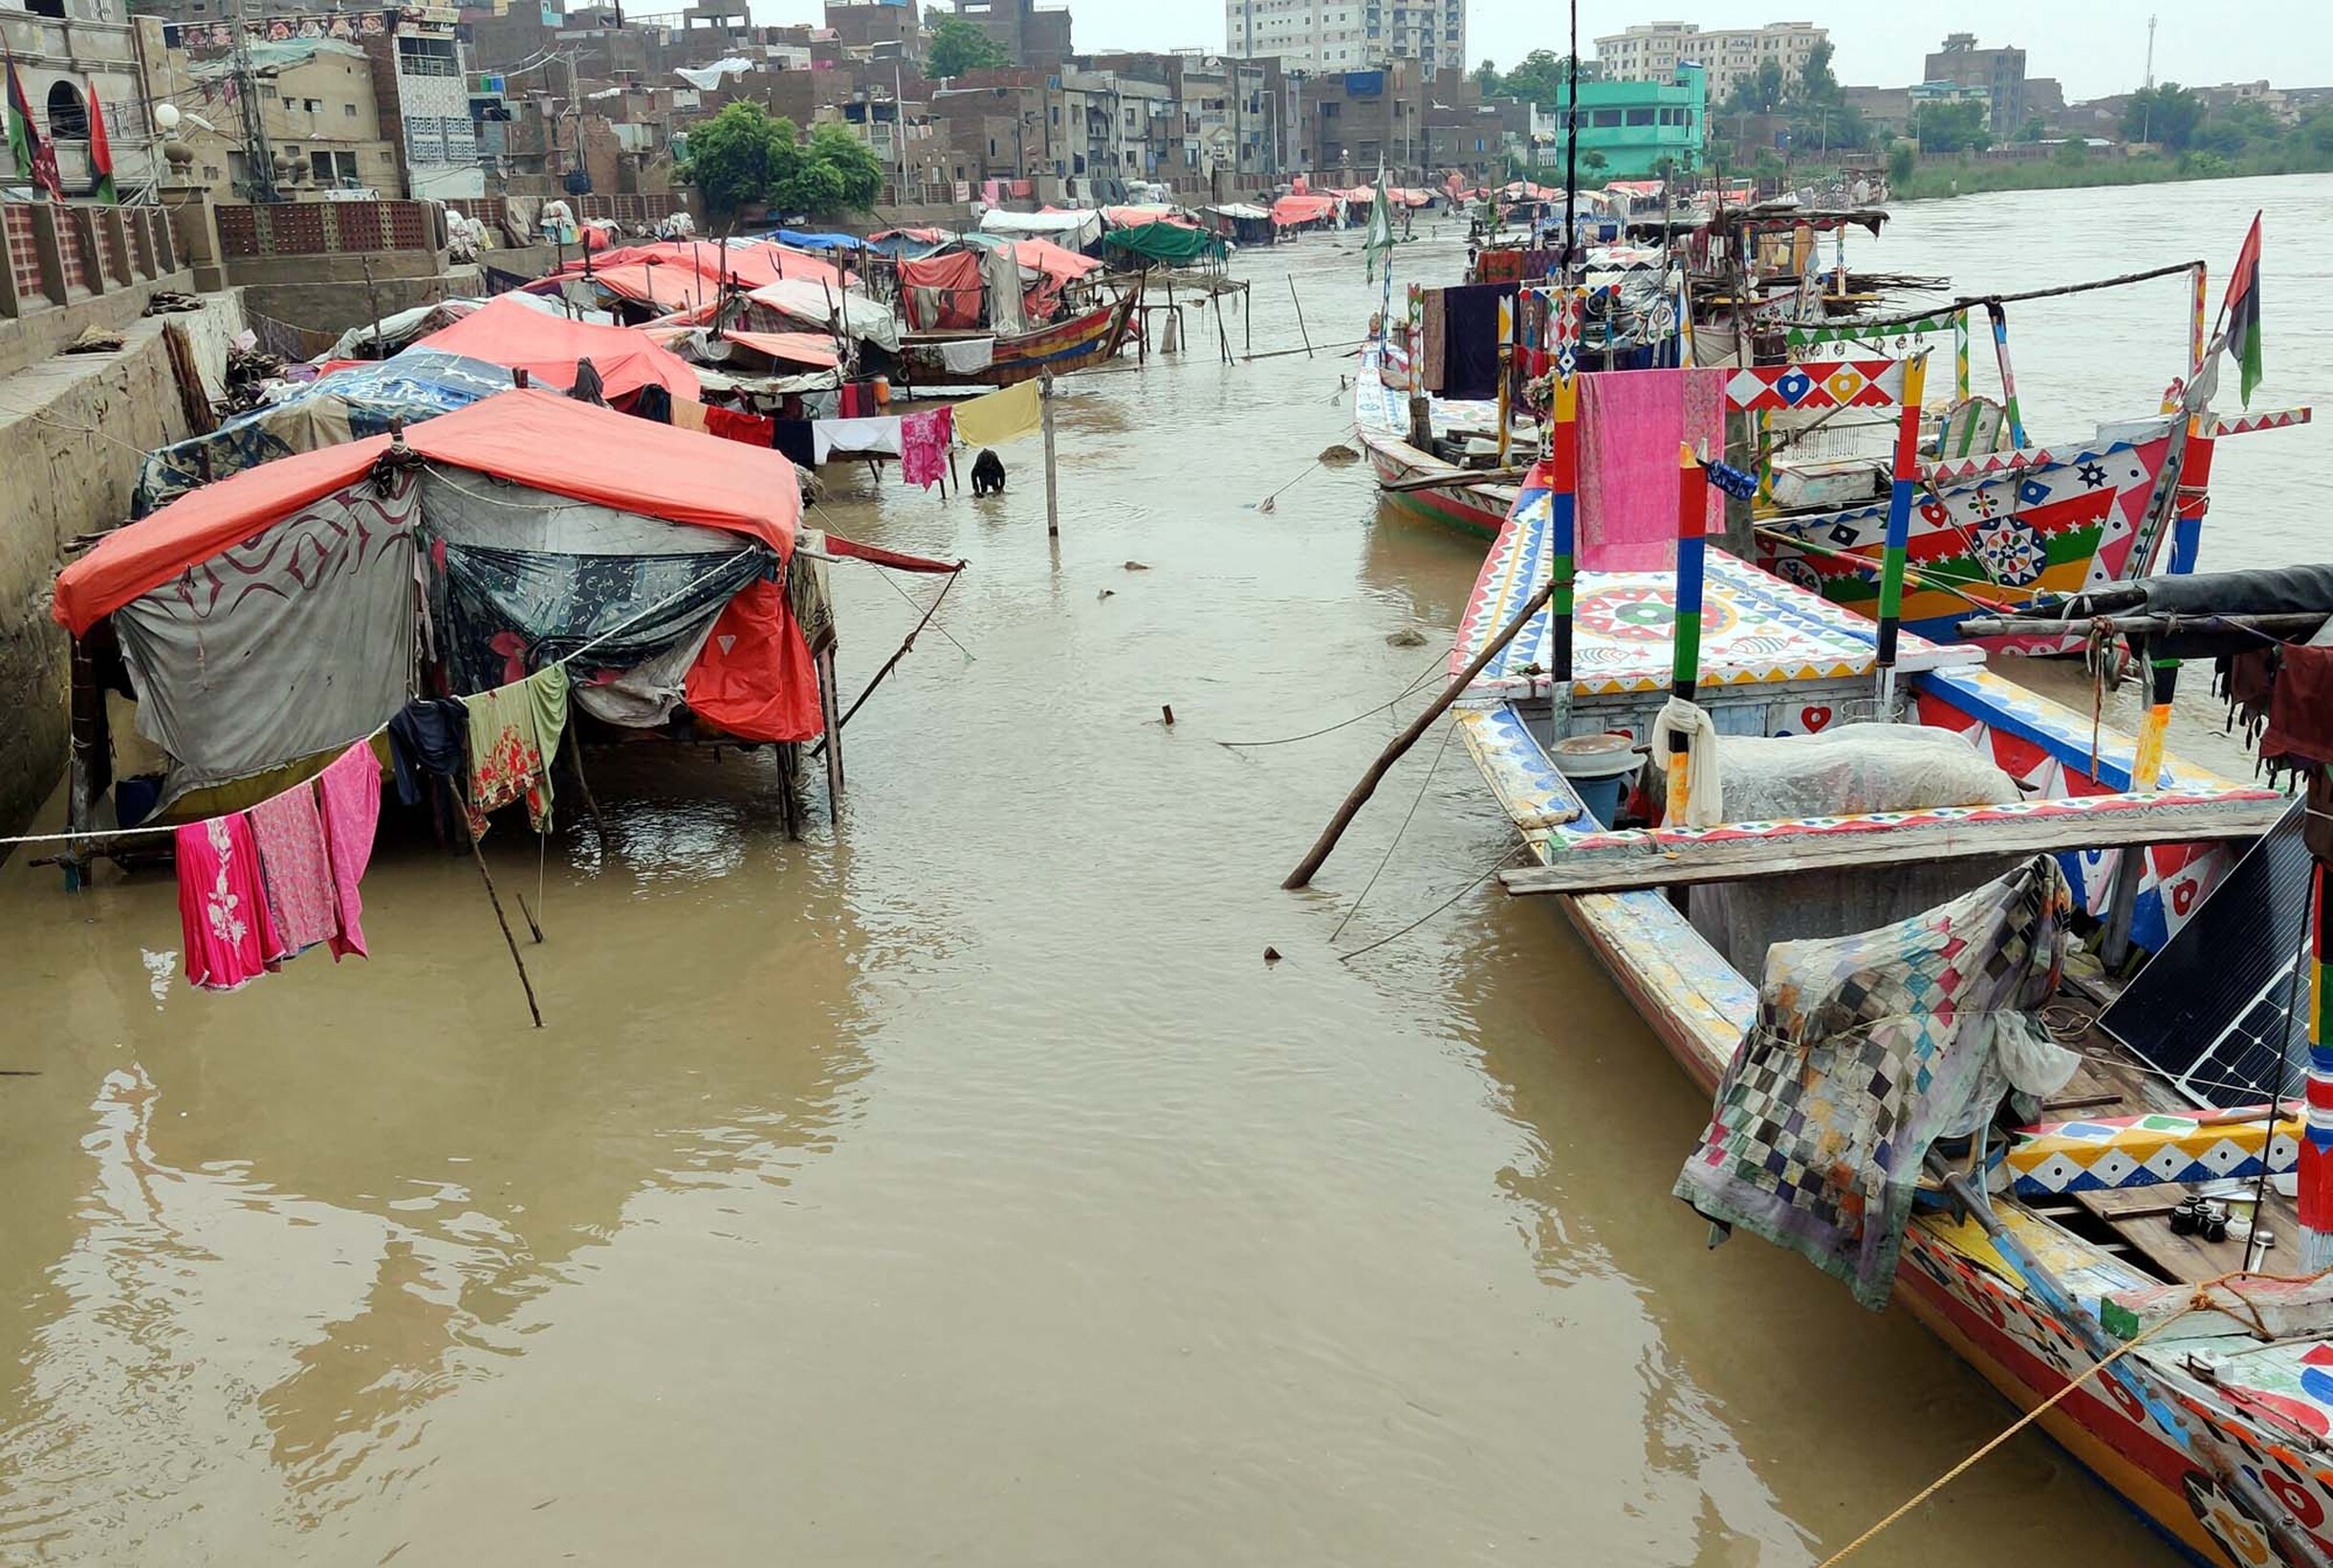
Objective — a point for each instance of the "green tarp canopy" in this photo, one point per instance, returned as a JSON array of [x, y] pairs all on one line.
[[1170, 242]]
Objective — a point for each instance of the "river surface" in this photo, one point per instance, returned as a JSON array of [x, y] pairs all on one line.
[[963, 1185]]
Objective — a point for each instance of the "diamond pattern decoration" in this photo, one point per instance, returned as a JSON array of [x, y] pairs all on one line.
[[2143, 1151], [1838, 383]]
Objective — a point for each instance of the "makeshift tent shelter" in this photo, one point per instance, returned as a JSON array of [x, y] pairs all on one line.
[[864, 319], [505, 333], [942, 292], [752, 263], [801, 241], [1170, 245], [907, 242], [346, 405], [1040, 256], [1136, 216], [1077, 229], [813, 349], [1295, 211], [1241, 222], [268, 619], [400, 330]]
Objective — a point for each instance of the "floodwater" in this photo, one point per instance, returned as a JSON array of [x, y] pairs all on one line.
[[962, 1185]]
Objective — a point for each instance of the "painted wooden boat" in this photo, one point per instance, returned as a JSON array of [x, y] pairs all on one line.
[[1381, 422], [1780, 660], [1090, 338]]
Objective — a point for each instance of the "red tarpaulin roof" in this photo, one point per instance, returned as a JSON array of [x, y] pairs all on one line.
[[954, 278], [801, 348], [1294, 208], [1054, 260], [533, 438], [750, 265], [503, 331]]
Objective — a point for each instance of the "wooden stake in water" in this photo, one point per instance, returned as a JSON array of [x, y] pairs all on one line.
[[1301, 326], [1897, 551], [1685, 668], [1053, 506], [2009, 376]]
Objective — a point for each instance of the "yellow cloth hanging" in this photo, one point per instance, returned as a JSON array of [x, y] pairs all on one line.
[[999, 417]]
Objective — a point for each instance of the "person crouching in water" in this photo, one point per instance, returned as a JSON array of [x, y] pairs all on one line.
[[988, 473]]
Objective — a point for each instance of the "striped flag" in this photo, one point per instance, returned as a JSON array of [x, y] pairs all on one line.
[[2242, 310], [100, 152]]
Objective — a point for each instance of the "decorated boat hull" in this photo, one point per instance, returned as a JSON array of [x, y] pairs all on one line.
[[1381, 424], [1091, 338]]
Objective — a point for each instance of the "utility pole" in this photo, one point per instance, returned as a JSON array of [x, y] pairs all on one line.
[[256, 153], [2150, 52]]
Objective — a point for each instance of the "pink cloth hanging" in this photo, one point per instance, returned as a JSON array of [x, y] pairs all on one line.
[[923, 445], [349, 792], [223, 911], [292, 868], [1630, 422]]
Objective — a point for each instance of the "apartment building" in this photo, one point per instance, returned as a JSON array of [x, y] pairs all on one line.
[[1318, 36], [1652, 51], [1999, 72]]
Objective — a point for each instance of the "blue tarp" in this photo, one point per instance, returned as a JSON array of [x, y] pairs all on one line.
[[346, 405], [801, 241]]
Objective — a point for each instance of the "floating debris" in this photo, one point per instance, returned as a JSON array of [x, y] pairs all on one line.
[[1408, 637], [1338, 455]]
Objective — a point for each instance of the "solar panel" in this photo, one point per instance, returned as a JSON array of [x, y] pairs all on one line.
[[2216, 1010]]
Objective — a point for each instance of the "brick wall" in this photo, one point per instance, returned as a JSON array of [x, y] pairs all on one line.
[[23, 255], [316, 228]]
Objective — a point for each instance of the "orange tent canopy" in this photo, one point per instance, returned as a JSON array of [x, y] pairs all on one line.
[[503, 331], [750, 265], [802, 348], [533, 438]]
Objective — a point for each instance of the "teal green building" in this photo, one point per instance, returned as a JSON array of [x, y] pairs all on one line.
[[1638, 124]]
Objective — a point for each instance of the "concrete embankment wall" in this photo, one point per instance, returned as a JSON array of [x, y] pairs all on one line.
[[73, 428]]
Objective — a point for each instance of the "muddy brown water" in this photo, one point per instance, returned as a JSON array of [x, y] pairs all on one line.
[[963, 1185]]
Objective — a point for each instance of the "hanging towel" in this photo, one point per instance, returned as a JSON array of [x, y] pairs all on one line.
[[999, 417], [1470, 342], [222, 908], [294, 870], [966, 353], [1630, 424], [513, 734], [2300, 709], [856, 436], [798, 440], [349, 792], [1704, 806], [922, 447], [732, 425], [688, 414], [425, 737]]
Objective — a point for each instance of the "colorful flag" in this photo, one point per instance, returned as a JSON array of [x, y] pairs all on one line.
[[100, 153], [2242, 310], [1378, 238], [23, 139]]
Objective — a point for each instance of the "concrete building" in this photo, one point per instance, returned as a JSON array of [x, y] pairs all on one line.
[[1637, 126], [1651, 52], [317, 110], [1321, 36], [64, 48], [1031, 34], [1999, 72], [876, 29]]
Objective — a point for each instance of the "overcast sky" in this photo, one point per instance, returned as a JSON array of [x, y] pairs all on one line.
[[2095, 47]]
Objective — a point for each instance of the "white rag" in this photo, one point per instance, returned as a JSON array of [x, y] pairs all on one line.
[[962, 354], [828, 436], [1705, 803]]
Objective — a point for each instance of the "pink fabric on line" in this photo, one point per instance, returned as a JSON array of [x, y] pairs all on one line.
[[1630, 422], [292, 868], [350, 792], [221, 907], [923, 445]]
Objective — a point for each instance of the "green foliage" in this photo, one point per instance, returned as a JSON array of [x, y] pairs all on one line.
[[1902, 158], [2167, 113], [2032, 130], [735, 156], [1486, 78], [956, 46], [1540, 77], [857, 174], [1816, 82], [1761, 92], [1942, 128], [1593, 162], [2071, 153]]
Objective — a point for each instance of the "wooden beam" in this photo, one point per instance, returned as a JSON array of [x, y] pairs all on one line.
[[1660, 859]]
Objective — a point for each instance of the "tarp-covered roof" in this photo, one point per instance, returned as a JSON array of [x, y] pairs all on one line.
[[753, 263], [866, 319], [801, 348], [1079, 228], [803, 241], [533, 438], [1040, 256], [1170, 243], [505, 333], [1296, 209]]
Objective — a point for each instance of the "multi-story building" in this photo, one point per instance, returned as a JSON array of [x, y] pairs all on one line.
[[1999, 72], [1653, 51], [1031, 34], [1637, 126], [316, 110], [63, 50], [1320, 35], [876, 29]]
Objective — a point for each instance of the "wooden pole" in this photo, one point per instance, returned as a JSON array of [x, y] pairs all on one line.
[[2009, 376], [1053, 505], [830, 704], [1319, 854], [503, 921], [1299, 305], [1223, 334], [903, 649], [1684, 664], [1247, 318], [1897, 551]]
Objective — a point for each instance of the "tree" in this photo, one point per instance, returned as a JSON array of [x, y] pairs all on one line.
[[734, 157], [1761, 92], [957, 46], [1486, 78], [1542, 77], [2167, 113], [1957, 126], [857, 173], [1816, 82], [2071, 152], [1593, 162], [1902, 158], [2032, 130]]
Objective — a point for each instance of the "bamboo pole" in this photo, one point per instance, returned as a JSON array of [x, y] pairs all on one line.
[[829, 710], [1053, 501], [2058, 292], [1299, 305], [2315, 1152], [1898, 549], [2009, 376], [503, 921], [902, 651], [1319, 854]]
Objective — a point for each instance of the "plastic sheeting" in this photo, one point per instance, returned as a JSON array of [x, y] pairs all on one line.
[[943, 293], [864, 319], [1076, 228], [294, 641], [1172, 244], [505, 333]]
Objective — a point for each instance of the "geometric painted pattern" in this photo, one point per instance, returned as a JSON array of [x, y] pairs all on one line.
[[2119, 1152], [1833, 383]]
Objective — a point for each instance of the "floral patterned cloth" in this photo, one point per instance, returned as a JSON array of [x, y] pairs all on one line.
[[229, 938], [513, 734], [922, 447], [294, 870]]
